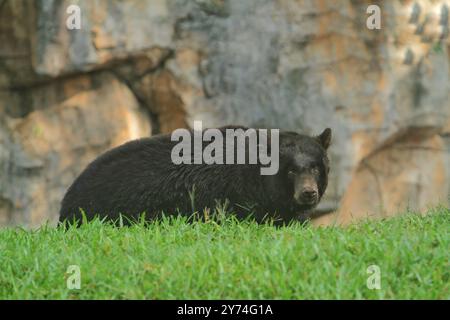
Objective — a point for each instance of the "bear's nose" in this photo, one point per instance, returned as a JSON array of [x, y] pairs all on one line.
[[309, 194]]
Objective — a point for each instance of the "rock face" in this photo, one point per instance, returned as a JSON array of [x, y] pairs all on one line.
[[140, 67]]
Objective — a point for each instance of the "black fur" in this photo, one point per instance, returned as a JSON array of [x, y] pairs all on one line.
[[139, 177]]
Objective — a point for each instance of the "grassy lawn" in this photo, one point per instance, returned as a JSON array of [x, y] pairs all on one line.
[[175, 260]]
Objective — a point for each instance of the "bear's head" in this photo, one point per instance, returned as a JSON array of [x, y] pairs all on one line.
[[304, 168]]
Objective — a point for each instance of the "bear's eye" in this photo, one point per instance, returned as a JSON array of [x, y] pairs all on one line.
[[315, 171], [291, 173]]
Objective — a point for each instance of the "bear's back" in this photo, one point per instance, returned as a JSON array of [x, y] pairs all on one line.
[[119, 177]]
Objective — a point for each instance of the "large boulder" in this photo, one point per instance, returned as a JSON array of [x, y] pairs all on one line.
[[41, 153]]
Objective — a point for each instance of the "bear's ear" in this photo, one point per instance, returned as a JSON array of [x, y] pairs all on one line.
[[325, 138]]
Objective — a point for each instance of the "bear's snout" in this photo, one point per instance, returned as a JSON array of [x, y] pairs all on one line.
[[306, 190], [309, 195]]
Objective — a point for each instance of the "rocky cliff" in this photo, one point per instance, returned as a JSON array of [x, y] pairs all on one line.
[[137, 68]]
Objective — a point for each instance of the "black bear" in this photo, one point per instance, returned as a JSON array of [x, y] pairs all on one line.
[[141, 177]]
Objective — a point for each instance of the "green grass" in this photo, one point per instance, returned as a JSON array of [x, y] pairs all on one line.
[[175, 260]]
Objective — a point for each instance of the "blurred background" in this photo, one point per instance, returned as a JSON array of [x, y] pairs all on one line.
[[137, 68]]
